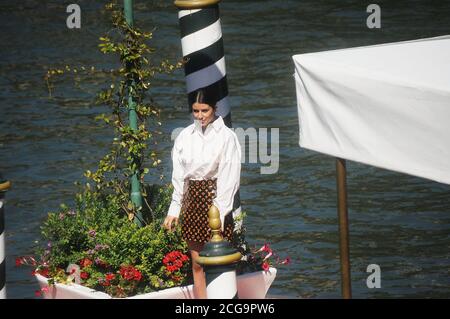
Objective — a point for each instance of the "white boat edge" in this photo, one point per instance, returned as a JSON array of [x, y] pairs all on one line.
[[250, 286]]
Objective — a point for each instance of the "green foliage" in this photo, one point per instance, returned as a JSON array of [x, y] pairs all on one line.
[[157, 200], [100, 241]]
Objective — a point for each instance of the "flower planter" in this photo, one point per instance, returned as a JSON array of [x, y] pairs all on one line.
[[250, 286]]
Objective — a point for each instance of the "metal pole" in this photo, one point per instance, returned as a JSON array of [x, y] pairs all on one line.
[[4, 186], [128, 11], [136, 195], [343, 229]]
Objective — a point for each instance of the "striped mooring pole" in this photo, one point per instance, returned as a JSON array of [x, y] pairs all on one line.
[[136, 194], [219, 259], [4, 186], [202, 46]]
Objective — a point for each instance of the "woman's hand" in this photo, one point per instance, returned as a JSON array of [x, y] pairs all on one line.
[[170, 222]]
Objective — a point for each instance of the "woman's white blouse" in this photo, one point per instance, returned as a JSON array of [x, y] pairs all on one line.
[[216, 153]]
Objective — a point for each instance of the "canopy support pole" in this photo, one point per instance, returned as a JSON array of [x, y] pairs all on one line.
[[344, 250]]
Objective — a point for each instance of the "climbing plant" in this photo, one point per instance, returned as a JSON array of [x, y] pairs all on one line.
[[132, 81]]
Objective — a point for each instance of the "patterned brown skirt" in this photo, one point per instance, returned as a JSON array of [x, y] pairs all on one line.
[[194, 212]]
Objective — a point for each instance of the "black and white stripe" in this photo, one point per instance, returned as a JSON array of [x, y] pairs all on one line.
[[221, 282], [202, 46], [2, 250]]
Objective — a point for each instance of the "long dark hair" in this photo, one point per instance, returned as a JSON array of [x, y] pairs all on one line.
[[204, 96]]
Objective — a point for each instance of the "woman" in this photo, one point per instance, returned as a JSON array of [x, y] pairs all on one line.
[[206, 171]]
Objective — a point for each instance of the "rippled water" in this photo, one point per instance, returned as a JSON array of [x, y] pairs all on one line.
[[397, 221]]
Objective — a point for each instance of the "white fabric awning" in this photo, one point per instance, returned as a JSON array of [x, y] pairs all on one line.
[[385, 105]]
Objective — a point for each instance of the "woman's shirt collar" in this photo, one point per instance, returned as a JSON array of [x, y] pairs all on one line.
[[216, 125]]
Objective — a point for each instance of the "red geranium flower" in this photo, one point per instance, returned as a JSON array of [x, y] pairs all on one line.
[[174, 260], [42, 272], [107, 280], [130, 273], [137, 275], [110, 276], [85, 262]]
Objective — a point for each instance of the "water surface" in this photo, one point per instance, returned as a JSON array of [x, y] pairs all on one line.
[[397, 221]]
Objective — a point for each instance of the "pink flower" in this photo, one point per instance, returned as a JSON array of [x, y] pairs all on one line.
[[265, 248], [268, 255], [265, 266], [45, 289], [41, 291], [26, 260], [286, 261]]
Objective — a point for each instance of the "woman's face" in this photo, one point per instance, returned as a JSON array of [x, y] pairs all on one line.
[[203, 112]]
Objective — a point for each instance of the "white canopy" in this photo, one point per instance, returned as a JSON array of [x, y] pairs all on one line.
[[385, 105]]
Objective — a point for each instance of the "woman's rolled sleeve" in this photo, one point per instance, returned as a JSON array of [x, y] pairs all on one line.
[[228, 178], [177, 181]]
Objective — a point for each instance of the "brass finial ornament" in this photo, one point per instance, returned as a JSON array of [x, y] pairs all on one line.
[[195, 4], [215, 224], [4, 185], [217, 251]]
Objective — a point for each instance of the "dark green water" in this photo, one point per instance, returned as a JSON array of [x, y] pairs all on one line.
[[399, 222]]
